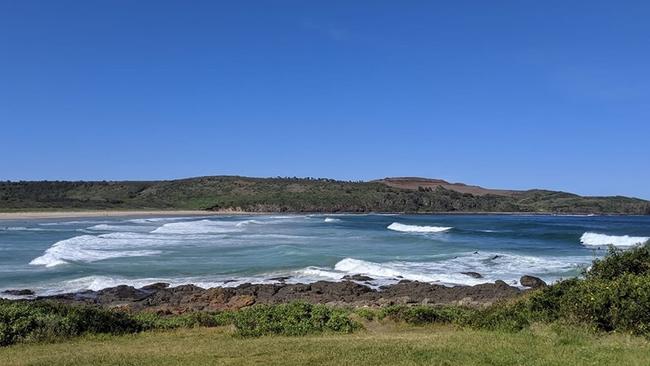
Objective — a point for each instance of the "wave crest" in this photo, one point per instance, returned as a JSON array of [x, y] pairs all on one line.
[[595, 239], [199, 227], [396, 226]]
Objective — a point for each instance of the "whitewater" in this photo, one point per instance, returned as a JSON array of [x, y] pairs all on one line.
[[57, 255]]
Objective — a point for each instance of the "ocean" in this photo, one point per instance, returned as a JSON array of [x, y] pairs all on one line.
[[64, 255]]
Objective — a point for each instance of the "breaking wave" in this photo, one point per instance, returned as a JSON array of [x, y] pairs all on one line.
[[107, 227], [90, 248], [199, 227], [448, 271], [595, 239], [396, 226], [217, 226]]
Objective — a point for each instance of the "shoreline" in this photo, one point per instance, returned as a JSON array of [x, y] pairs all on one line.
[[35, 215], [162, 298]]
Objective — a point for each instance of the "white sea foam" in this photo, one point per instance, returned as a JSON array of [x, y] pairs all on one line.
[[331, 219], [595, 239], [313, 273], [90, 248], [396, 226], [154, 220], [254, 222], [445, 270], [97, 282], [278, 236], [199, 227], [22, 228], [127, 228], [492, 266]]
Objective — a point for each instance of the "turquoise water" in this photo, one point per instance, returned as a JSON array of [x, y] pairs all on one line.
[[54, 256]]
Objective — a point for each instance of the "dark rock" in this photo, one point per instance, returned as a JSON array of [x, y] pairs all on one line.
[[120, 294], [532, 281], [473, 274], [358, 277], [22, 292], [155, 286], [238, 302], [281, 278], [187, 298]]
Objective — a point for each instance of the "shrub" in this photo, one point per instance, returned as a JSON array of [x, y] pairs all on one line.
[[622, 304], [423, 314], [298, 318], [365, 313], [501, 316], [150, 321], [224, 318], [548, 304], [21, 321], [618, 263]]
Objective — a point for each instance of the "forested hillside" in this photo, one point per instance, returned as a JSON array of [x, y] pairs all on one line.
[[295, 195]]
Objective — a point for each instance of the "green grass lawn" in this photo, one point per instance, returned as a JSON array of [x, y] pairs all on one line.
[[388, 344]]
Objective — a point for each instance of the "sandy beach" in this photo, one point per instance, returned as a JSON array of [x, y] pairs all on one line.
[[111, 213]]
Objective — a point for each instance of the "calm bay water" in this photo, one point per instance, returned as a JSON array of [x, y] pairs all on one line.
[[54, 256]]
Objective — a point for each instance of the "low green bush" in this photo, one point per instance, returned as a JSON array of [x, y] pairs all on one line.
[[365, 313], [548, 304], [42, 320], [621, 304], [501, 316], [36, 321], [619, 262], [298, 318], [422, 314], [150, 321]]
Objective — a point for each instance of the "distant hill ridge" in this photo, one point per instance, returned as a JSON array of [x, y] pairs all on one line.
[[396, 194]]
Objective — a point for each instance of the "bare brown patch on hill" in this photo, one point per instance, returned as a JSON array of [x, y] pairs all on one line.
[[414, 183]]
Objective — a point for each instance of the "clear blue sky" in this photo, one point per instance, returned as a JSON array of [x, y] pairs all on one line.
[[508, 94]]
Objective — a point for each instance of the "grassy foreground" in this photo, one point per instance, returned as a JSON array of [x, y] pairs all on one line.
[[387, 344]]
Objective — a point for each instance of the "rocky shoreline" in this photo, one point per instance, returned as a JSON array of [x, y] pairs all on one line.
[[162, 299]]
